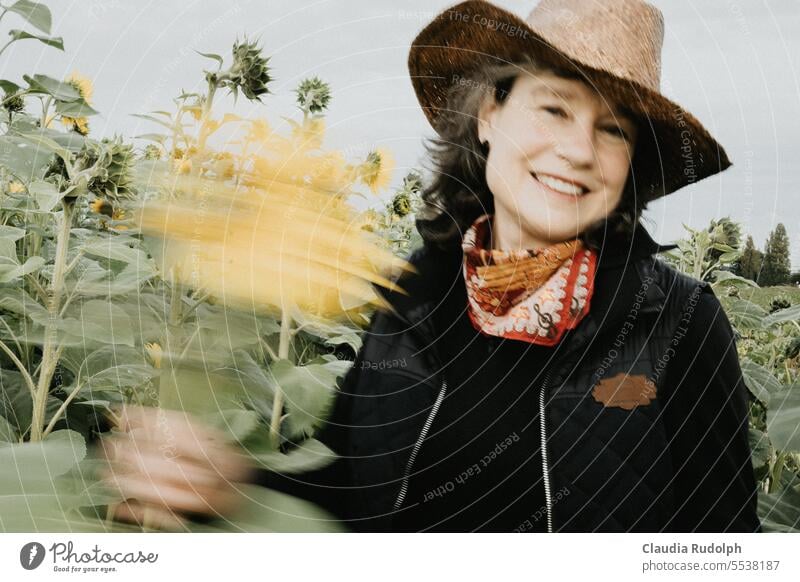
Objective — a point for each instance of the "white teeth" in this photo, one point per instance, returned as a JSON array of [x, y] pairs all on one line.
[[560, 185]]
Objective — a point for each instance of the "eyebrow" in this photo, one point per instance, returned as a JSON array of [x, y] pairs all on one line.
[[619, 111]]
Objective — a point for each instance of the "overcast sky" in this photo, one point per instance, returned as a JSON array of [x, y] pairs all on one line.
[[733, 63]]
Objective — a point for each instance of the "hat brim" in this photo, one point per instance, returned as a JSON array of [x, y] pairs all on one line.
[[680, 150]]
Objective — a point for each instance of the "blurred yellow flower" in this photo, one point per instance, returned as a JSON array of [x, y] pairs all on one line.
[[376, 171], [331, 173], [260, 248], [86, 90], [16, 187]]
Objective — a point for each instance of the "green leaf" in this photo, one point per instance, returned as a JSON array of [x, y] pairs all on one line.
[[8, 87], [310, 455], [309, 392], [76, 108], [119, 378], [52, 87], [105, 322], [17, 300], [251, 380], [35, 13], [789, 314], [116, 249], [238, 424], [779, 511], [761, 382], [720, 276], [22, 158], [783, 424], [31, 266], [11, 233], [54, 41], [266, 510], [211, 56], [759, 446], [160, 122], [746, 314], [34, 492], [46, 195], [57, 454], [42, 141], [8, 434]]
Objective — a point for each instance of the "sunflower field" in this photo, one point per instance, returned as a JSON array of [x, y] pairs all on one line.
[[132, 273]]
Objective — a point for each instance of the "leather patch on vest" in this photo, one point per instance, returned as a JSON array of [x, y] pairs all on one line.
[[624, 391]]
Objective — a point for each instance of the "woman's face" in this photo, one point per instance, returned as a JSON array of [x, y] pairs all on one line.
[[559, 157]]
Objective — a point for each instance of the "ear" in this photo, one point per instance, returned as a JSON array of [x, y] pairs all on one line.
[[486, 116]]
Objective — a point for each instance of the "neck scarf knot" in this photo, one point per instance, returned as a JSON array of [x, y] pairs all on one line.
[[533, 295]]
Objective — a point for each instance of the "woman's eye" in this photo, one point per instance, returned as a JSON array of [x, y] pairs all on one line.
[[616, 131], [557, 111]]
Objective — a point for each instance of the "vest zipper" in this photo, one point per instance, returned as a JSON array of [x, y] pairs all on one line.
[[417, 445], [545, 471]]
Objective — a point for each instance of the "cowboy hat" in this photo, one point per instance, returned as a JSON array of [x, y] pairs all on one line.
[[615, 45]]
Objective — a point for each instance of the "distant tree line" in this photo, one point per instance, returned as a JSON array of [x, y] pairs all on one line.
[[772, 266]]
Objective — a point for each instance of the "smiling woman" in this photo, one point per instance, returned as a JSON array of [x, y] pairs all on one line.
[[559, 158], [538, 310], [533, 327]]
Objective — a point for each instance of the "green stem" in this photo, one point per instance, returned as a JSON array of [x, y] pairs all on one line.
[[20, 367], [61, 409], [8, 44], [203, 134], [776, 472], [168, 391], [283, 354], [45, 108], [50, 351]]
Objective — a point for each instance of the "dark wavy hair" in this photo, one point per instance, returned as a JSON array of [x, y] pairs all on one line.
[[458, 193]]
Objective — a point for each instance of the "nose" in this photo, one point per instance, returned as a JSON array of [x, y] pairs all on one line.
[[576, 147]]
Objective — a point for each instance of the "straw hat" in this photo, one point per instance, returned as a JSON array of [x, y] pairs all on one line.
[[614, 44]]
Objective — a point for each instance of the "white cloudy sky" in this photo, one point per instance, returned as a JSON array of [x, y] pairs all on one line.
[[734, 63]]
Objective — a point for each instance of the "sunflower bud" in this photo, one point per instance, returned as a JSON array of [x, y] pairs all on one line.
[[13, 103], [401, 204], [249, 72], [112, 161], [313, 95]]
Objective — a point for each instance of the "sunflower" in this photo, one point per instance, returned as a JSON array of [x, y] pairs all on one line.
[[102, 206], [306, 244], [83, 85], [376, 171]]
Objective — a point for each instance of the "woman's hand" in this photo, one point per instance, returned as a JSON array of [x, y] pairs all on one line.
[[168, 467]]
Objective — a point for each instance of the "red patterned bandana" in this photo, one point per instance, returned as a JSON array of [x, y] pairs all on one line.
[[530, 295]]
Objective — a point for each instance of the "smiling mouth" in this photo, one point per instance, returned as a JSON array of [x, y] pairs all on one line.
[[559, 186]]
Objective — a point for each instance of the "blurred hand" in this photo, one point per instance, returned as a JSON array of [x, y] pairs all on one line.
[[168, 466]]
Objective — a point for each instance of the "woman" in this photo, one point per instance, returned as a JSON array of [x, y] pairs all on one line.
[[555, 376]]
